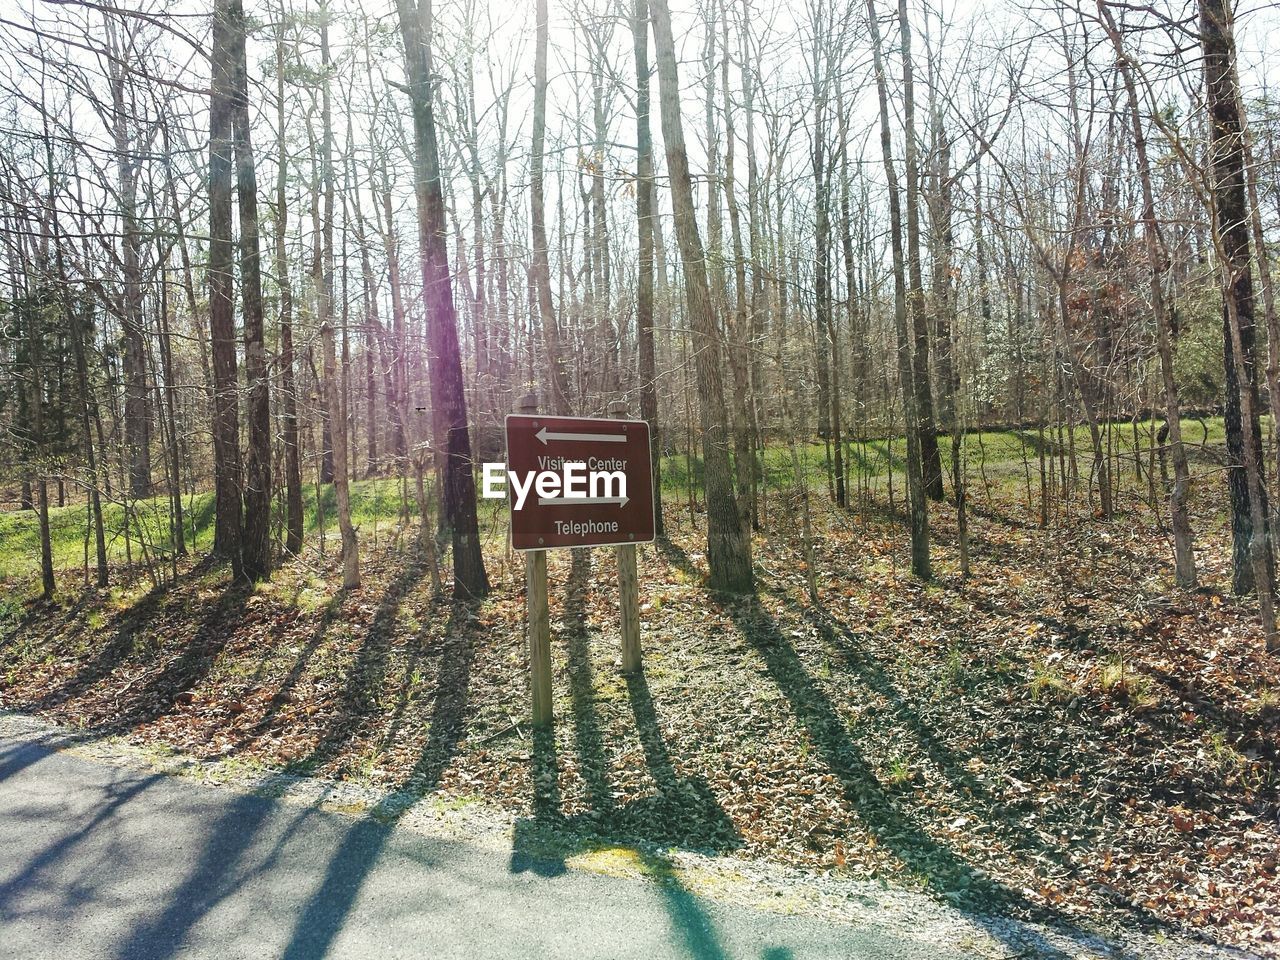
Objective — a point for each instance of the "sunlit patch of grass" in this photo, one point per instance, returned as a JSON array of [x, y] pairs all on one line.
[[416, 680], [1222, 756], [1263, 699], [313, 597], [369, 767], [1115, 677], [904, 665], [1048, 683], [898, 773], [952, 675]]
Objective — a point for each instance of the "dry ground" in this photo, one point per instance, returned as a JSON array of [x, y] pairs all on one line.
[[1062, 735]]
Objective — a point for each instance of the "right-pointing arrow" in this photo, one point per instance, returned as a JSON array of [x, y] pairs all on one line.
[[575, 501], [546, 435]]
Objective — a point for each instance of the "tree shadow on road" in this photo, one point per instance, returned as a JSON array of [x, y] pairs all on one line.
[[682, 813], [349, 867], [219, 866], [21, 756]]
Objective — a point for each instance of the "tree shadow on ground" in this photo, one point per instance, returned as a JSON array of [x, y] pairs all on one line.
[[193, 660], [886, 816], [871, 457], [683, 812], [50, 617], [678, 557], [325, 913], [284, 690], [127, 624], [159, 694], [1038, 445], [214, 874], [853, 650], [358, 703]]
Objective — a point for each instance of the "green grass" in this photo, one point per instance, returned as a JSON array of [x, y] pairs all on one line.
[[376, 505]]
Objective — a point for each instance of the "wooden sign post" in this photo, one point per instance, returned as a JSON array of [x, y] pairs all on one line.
[[628, 584], [577, 482], [535, 575]]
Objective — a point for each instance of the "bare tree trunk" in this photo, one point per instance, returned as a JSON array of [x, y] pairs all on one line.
[[256, 542], [557, 375], [738, 327], [645, 279], [1231, 225], [332, 392], [930, 459], [916, 494], [448, 404], [341, 486], [728, 546], [35, 361], [944, 307], [227, 21], [171, 415], [1270, 318], [397, 389], [1184, 560], [81, 351], [828, 345], [137, 407], [288, 388]]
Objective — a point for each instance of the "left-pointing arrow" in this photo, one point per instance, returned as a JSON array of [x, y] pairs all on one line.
[[546, 435]]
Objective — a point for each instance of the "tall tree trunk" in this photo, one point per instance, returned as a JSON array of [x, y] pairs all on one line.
[[557, 375], [1184, 560], [1260, 543], [916, 493], [644, 280], [137, 407], [288, 388], [1231, 225], [332, 391], [1270, 318], [738, 325], [448, 404], [945, 317], [171, 419], [397, 392], [372, 327], [227, 20], [828, 342], [606, 334], [930, 458], [35, 362], [728, 546], [256, 542], [81, 351]]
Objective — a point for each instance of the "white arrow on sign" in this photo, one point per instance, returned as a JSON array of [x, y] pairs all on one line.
[[546, 435], [574, 501]]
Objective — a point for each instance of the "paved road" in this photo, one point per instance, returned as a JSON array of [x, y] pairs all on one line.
[[97, 860]]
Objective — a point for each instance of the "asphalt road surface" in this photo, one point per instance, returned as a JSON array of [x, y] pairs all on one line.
[[100, 860]]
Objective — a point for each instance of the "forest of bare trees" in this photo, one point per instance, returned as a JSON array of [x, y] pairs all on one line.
[[260, 250], [954, 329]]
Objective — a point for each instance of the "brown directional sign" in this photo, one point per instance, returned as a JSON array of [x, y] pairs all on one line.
[[578, 482]]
